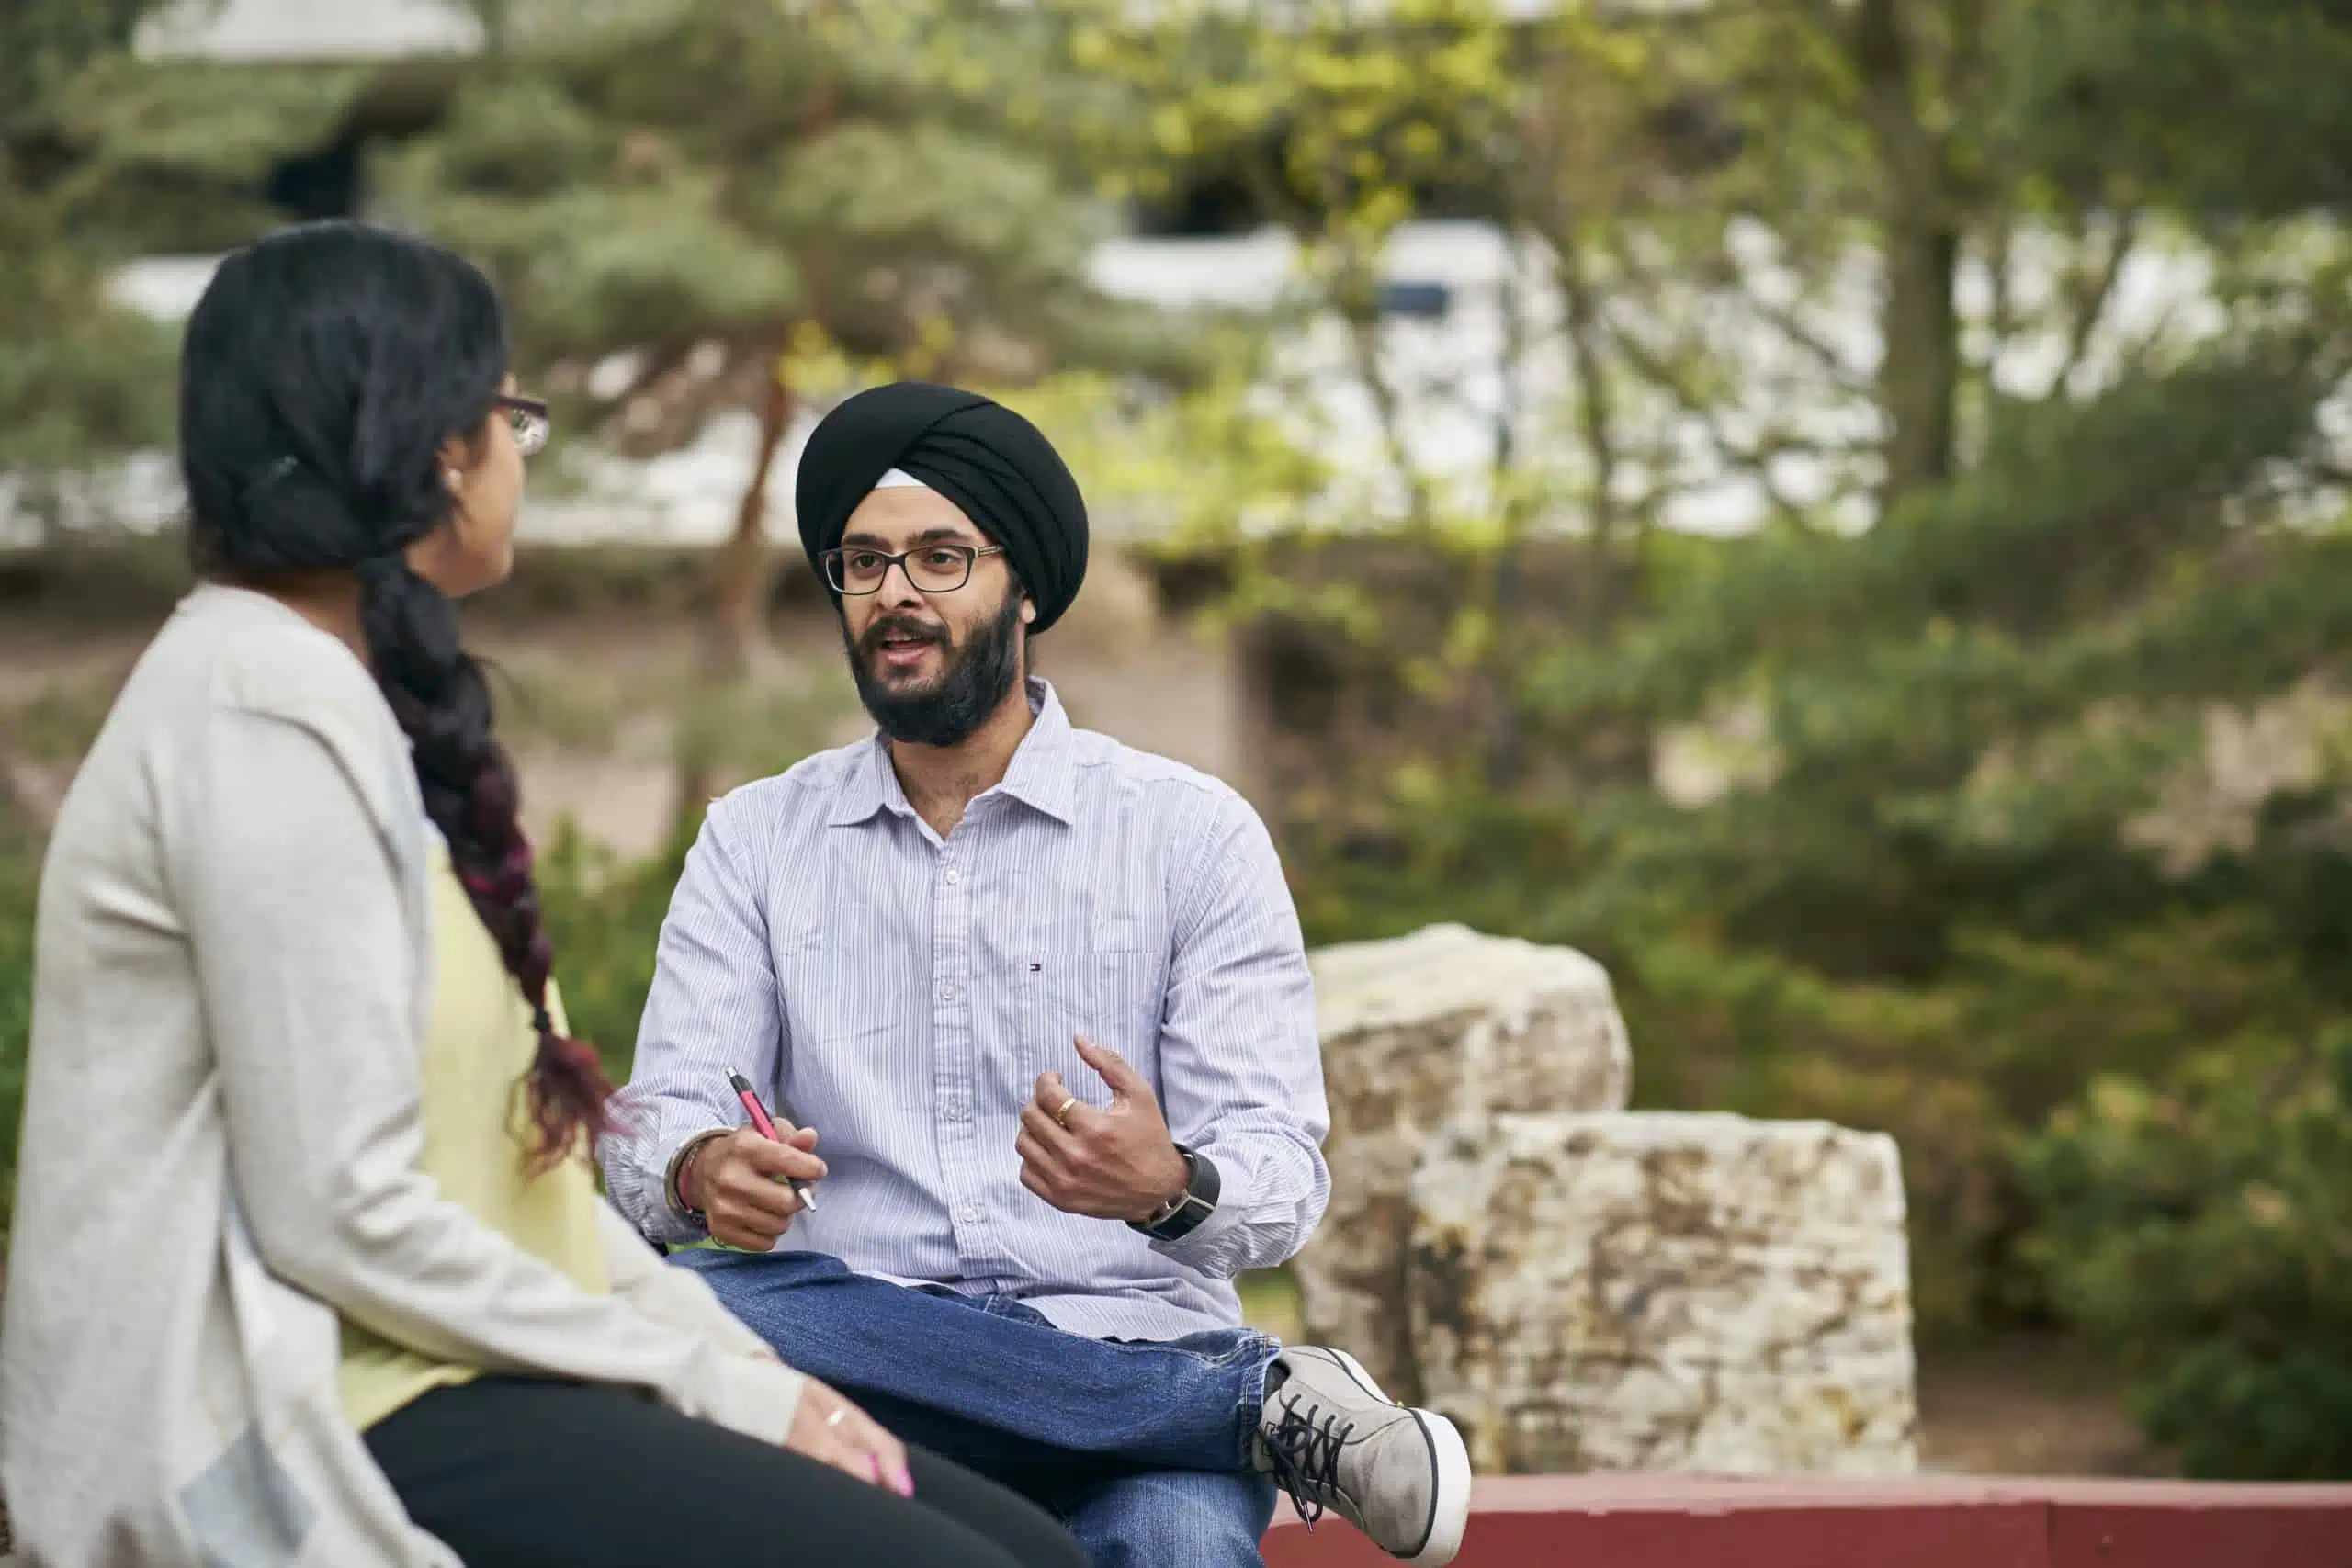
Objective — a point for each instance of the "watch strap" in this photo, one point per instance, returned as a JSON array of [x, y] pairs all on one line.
[[1191, 1208]]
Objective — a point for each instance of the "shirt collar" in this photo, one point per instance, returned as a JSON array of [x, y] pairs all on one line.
[[1043, 774]]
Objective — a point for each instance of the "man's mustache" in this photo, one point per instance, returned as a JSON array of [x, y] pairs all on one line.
[[900, 627]]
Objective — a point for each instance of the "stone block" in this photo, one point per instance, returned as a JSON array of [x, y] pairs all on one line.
[[1666, 1292], [1415, 1031]]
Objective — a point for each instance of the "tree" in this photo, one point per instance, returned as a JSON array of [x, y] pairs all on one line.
[[2030, 546], [1342, 127], [1988, 801], [2201, 1224], [80, 380], [724, 203]]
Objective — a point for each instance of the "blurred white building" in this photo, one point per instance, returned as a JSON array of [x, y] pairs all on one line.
[[269, 31]]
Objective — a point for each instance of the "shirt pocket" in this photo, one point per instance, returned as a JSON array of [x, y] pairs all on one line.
[[1102, 980], [831, 997]]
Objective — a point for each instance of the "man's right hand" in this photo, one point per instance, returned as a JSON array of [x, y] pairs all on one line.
[[738, 1181]]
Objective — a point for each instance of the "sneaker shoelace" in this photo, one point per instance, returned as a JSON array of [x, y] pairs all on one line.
[[1304, 1452]]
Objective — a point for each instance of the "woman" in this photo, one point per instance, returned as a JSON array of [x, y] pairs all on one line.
[[309, 1267]]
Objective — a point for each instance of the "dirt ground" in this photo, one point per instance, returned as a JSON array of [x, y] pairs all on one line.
[[2027, 1408]]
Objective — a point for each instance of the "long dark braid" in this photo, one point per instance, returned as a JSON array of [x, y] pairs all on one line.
[[323, 370], [441, 697]]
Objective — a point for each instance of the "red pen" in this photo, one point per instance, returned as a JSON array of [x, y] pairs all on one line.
[[759, 1119]]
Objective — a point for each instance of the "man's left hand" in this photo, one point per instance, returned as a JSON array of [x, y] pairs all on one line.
[[1113, 1164]]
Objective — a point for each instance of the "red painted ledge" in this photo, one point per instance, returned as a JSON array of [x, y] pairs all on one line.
[[1673, 1521]]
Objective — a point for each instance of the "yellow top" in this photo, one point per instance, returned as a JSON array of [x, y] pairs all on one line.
[[476, 1141]]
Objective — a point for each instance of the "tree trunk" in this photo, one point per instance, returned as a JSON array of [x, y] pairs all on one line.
[[1919, 370], [1597, 417], [739, 579], [1506, 749], [739, 575], [1919, 377]]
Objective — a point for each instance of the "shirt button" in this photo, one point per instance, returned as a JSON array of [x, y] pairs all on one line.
[[946, 993], [969, 1214], [955, 1109], [954, 876]]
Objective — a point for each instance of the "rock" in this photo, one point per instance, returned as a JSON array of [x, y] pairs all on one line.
[[1418, 1031], [1666, 1292]]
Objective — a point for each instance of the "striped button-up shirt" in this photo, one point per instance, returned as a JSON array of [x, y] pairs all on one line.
[[900, 992]]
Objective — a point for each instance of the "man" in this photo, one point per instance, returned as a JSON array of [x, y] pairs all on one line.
[[1046, 999]]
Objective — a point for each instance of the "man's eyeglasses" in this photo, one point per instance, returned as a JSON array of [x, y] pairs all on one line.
[[933, 568], [528, 416]]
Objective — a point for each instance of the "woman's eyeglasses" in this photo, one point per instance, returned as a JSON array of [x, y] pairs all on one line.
[[529, 417]]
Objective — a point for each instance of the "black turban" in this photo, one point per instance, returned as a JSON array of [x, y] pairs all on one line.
[[980, 455]]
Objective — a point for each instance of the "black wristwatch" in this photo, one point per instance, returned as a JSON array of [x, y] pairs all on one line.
[[1185, 1213]]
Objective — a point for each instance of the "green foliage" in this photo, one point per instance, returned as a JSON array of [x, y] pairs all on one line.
[[653, 178], [1976, 848], [2075, 513], [80, 380], [1989, 834], [604, 915], [2099, 89], [45, 44], [1961, 1061], [2201, 1223], [19, 881], [220, 123]]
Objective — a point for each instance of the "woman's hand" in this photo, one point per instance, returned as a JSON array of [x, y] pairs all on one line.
[[828, 1428]]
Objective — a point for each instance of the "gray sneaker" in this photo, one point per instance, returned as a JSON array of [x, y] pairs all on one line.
[[1332, 1440]]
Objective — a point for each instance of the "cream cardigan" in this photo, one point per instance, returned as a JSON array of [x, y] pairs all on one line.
[[221, 1129]]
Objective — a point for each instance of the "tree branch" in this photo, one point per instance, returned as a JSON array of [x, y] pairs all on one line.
[[1998, 238], [2090, 299], [1784, 322], [1755, 461], [1879, 49], [1594, 403]]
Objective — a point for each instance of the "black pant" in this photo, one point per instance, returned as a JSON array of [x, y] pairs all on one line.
[[515, 1473]]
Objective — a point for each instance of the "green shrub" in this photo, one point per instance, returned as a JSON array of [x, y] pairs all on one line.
[[2201, 1224], [1716, 1029], [19, 878], [1960, 1065], [604, 914]]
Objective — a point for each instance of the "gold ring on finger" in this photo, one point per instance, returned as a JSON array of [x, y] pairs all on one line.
[[1061, 1116]]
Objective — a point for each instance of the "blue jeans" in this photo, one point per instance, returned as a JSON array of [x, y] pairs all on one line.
[[1141, 1448]]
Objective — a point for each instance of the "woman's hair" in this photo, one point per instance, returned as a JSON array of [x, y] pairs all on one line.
[[324, 369]]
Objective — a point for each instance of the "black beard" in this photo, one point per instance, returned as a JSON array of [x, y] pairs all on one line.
[[974, 685]]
